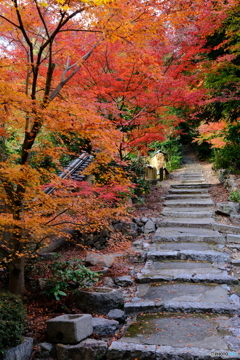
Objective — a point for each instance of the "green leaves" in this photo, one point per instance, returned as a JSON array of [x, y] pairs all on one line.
[[68, 275]]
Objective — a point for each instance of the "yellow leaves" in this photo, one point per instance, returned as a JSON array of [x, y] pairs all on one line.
[[96, 2], [43, 3]]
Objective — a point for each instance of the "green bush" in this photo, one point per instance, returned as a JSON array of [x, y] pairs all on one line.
[[228, 158], [12, 321], [235, 195], [68, 275]]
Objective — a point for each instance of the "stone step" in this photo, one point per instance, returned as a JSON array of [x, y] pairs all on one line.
[[183, 292], [235, 239], [187, 196], [136, 307], [184, 271], [187, 234], [179, 246], [194, 255], [177, 335], [226, 229], [188, 203], [192, 173], [179, 213], [205, 223], [217, 278], [132, 349], [188, 191], [234, 246], [199, 179], [192, 182], [190, 186]]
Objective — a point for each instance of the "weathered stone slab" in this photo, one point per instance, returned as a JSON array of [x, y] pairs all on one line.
[[212, 256], [174, 234], [104, 327], [169, 353], [226, 229], [100, 259], [227, 208], [181, 331], [123, 281], [235, 262], [179, 213], [189, 203], [196, 246], [187, 196], [203, 307], [188, 191], [117, 314], [124, 351], [22, 351], [149, 227], [205, 223], [138, 307], [183, 271], [190, 186], [193, 182], [88, 349], [45, 349], [69, 329], [183, 292], [235, 219], [233, 239]]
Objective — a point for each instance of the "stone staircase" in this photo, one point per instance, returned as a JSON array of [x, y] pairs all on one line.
[[186, 304]]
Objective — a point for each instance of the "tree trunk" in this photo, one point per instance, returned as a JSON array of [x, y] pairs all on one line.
[[16, 277]]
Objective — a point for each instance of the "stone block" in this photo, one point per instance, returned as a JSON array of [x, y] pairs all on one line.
[[101, 300], [235, 219], [235, 239], [149, 227], [69, 329], [101, 260], [227, 208], [88, 349], [117, 314], [21, 352], [122, 351], [104, 327], [45, 349], [123, 280]]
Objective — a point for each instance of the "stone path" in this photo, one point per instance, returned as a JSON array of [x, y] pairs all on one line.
[[186, 304]]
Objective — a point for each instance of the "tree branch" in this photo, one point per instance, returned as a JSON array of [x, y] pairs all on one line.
[[42, 18], [68, 67]]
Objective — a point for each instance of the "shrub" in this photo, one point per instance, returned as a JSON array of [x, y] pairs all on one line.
[[12, 321], [235, 195], [67, 275], [228, 158]]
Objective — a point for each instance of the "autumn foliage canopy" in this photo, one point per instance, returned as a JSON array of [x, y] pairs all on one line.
[[103, 75]]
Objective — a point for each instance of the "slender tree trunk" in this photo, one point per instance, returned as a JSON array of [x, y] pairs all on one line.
[[16, 276], [16, 283]]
